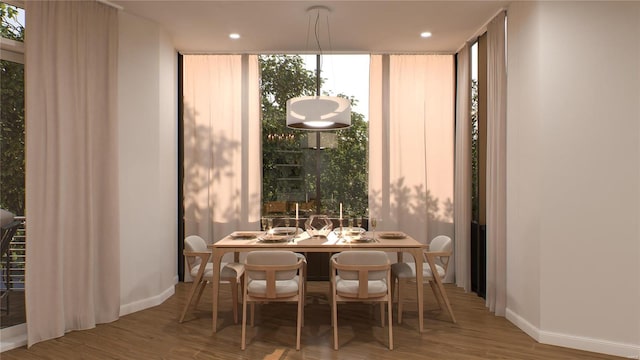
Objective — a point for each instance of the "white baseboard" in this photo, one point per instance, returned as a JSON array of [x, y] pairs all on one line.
[[13, 337], [127, 309], [630, 351]]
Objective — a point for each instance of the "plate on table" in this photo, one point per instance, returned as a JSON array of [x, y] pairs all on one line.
[[274, 238], [350, 231], [282, 231], [243, 235], [360, 239], [392, 235]]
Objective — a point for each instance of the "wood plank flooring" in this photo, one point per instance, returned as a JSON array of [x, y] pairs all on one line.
[[156, 334]]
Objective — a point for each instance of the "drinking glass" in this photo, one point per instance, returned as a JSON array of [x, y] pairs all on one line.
[[264, 223], [287, 222], [373, 222], [359, 221]]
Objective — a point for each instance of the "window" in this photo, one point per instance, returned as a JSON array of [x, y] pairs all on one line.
[[316, 170], [12, 186], [478, 164]]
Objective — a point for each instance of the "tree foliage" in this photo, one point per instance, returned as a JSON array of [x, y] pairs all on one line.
[[282, 77], [12, 137], [475, 153], [10, 28], [289, 166]]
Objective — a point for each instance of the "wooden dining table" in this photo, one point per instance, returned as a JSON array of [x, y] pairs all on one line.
[[242, 241]]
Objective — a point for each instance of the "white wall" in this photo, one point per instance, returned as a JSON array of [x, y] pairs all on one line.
[[147, 110], [524, 167], [574, 174]]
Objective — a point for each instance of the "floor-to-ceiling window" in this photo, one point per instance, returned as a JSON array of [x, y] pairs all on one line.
[[12, 173], [316, 170], [478, 164]]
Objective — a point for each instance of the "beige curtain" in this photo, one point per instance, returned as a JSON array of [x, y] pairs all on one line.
[[462, 187], [222, 146], [73, 270], [496, 166], [411, 135]]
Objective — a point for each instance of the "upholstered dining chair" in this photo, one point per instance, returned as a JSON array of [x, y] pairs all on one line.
[[303, 256], [196, 253], [362, 276], [439, 253], [273, 276]]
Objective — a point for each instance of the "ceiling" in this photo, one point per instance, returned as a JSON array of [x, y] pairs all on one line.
[[284, 26]]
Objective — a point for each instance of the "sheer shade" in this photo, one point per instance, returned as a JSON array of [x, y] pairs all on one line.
[[411, 136], [462, 187], [73, 272], [496, 166], [222, 147]]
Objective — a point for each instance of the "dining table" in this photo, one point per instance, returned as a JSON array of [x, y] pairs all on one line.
[[388, 241]]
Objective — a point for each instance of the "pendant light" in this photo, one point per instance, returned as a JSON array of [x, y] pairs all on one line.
[[318, 113]]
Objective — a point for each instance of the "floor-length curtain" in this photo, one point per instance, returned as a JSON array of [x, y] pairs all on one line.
[[222, 148], [411, 135], [72, 269], [496, 166], [462, 187]]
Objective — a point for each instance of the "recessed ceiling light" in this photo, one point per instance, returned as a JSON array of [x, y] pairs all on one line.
[[234, 36], [425, 34]]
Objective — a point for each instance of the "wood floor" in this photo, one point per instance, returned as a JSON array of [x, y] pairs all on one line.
[[156, 334]]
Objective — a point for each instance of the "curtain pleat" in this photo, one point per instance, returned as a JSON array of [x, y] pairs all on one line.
[[411, 135], [223, 164], [496, 166], [73, 272], [462, 186]]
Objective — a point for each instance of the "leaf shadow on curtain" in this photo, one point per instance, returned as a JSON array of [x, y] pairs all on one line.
[[413, 208], [212, 180]]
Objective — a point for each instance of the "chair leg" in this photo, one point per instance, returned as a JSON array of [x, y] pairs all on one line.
[[381, 315], [390, 320], [244, 321], [233, 284], [300, 318], [304, 295], [194, 287], [203, 284], [334, 321], [443, 292], [400, 300], [253, 312], [436, 293]]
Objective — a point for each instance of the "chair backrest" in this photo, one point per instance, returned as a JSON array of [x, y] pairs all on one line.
[[444, 244], [362, 274], [271, 258], [272, 275], [6, 217], [363, 259], [196, 244]]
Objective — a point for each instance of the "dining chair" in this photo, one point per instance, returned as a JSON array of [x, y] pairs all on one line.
[[303, 256], [273, 276], [362, 276], [196, 253], [439, 253]]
